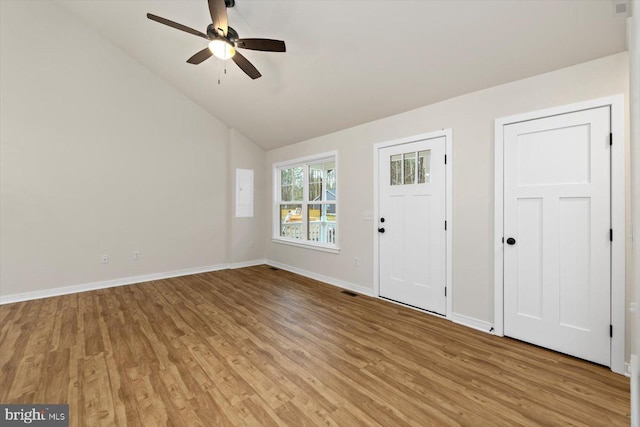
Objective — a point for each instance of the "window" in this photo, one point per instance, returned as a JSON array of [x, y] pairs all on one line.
[[403, 168], [306, 207]]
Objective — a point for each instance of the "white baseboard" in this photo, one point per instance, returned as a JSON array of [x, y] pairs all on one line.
[[244, 264], [322, 278], [471, 322], [8, 299]]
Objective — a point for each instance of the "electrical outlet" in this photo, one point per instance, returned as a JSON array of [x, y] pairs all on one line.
[[250, 243], [136, 255], [367, 215], [356, 261], [104, 259]]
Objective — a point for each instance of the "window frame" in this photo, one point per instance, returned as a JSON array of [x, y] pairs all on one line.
[[305, 163]]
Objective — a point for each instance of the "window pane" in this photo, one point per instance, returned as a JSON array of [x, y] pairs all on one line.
[[291, 221], [424, 167], [315, 183], [396, 170], [321, 225], [322, 175], [292, 184], [285, 193], [410, 168], [315, 191], [331, 187], [285, 176]]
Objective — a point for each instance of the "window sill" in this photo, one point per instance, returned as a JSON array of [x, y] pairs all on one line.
[[307, 245]]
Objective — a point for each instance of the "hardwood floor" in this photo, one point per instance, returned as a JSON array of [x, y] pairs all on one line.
[[262, 347]]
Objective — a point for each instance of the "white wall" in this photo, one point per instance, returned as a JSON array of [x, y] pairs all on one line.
[[99, 156], [247, 245], [472, 118]]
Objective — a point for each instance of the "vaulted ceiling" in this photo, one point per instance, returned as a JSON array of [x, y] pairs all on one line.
[[353, 61]]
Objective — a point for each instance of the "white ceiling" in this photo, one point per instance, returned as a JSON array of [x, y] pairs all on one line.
[[352, 61]]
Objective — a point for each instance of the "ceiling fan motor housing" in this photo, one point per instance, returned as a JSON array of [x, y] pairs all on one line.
[[231, 33]]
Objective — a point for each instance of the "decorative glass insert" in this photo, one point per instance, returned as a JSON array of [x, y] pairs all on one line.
[[424, 167], [396, 169], [409, 168], [405, 170]]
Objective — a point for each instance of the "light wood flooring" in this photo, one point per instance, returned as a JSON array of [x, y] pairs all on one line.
[[265, 347]]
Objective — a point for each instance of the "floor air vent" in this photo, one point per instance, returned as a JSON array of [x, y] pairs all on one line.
[[274, 268], [349, 293]]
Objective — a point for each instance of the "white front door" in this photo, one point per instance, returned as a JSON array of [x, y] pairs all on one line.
[[557, 220], [411, 228]]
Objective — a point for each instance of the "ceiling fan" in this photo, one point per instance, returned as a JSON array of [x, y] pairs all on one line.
[[224, 40]]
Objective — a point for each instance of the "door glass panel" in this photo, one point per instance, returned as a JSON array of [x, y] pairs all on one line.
[[424, 167], [396, 169], [291, 221], [410, 168]]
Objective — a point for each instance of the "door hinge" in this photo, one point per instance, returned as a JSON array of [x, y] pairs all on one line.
[[445, 225], [611, 234], [610, 138], [445, 291], [445, 159], [610, 331]]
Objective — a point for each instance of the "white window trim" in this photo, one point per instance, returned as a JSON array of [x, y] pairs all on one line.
[[275, 227]]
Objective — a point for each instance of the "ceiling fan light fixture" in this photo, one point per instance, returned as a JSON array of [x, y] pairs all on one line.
[[222, 49]]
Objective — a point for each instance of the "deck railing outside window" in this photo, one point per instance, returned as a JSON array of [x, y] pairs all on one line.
[[319, 231]]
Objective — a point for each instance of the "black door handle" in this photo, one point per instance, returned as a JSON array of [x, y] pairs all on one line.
[[381, 230], [511, 241]]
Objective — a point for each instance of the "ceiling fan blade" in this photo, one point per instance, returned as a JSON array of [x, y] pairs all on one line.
[[218, 11], [177, 26], [200, 56], [266, 45], [246, 66]]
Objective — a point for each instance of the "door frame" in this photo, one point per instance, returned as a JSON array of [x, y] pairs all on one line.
[[616, 103], [448, 150]]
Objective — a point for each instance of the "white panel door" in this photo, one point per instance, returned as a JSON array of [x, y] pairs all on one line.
[[556, 227], [411, 229]]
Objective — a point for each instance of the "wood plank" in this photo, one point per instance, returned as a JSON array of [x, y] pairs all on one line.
[[257, 346]]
